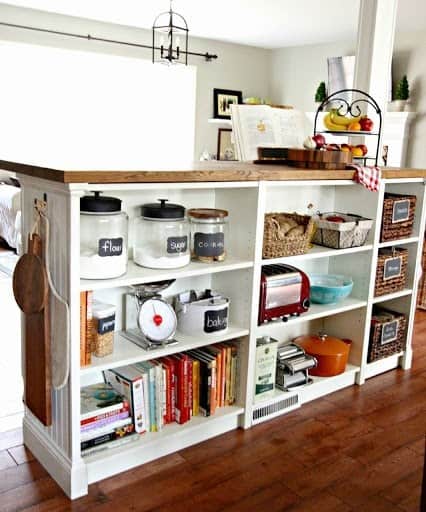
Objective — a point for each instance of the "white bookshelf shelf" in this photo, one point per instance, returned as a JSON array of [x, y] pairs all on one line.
[[383, 298], [316, 252], [127, 352], [152, 445], [402, 241], [315, 311], [138, 275], [382, 365]]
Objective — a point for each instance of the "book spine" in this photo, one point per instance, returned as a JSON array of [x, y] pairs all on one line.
[[145, 382], [83, 307], [88, 427], [173, 381], [180, 385], [228, 375], [219, 382], [205, 381], [112, 444], [195, 387], [213, 383], [168, 380], [106, 429], [190, 388], [89, 327], [152, 400], [119, 408], [223, 375]]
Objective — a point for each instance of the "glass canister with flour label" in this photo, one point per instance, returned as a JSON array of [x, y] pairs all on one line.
[[209, 234], [103, 237]]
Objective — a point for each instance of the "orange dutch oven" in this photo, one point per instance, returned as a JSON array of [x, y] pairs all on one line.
[[331, 353]]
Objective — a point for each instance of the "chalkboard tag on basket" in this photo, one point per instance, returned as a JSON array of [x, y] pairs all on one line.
[[389, 332], [392, 268], [215, 320], [401, 211]]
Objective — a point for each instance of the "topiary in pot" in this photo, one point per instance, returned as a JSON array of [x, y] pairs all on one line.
[[321, 93], [402, 93]]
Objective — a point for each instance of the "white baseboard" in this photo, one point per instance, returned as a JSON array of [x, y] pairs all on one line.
[[71, 478]]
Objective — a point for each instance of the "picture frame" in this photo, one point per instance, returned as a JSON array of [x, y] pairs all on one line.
[[225, 146], [222, 101]]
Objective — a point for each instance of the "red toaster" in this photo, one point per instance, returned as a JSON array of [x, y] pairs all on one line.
[[284, 291]]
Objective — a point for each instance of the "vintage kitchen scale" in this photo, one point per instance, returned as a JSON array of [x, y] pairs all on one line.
[[154, 317]]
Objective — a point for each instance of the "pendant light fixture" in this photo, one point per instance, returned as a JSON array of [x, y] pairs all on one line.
[[170, 39]]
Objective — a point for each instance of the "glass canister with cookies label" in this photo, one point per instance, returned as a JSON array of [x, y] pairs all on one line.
[[209, 234]]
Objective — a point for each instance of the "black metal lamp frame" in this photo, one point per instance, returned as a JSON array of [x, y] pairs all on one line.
[[352, 109], [168, 53]]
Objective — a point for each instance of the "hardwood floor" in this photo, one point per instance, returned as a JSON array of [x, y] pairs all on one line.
[[360, 449]]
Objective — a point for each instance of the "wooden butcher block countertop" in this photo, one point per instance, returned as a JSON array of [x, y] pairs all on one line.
[[197, 172]]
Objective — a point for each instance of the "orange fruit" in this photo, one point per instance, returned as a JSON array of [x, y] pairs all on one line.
[[354, 127], [357, 152]]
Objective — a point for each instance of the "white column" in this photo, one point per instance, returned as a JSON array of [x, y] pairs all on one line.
[[376, 28]]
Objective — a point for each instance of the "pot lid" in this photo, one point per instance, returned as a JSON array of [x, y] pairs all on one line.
[[161, 210], [207, 213], [322, 345], [100, 204]]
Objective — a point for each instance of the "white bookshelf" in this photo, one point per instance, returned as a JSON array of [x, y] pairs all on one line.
[[58, 447]]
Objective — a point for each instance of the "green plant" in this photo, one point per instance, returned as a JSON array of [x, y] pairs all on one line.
[[402, 90], [321, 93]]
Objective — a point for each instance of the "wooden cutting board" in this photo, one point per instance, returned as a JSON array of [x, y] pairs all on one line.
[[316, 159], [31, 289]]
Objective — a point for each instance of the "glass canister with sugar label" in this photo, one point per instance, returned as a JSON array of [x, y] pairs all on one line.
[[209, 234], [103, 237], [162, 236]]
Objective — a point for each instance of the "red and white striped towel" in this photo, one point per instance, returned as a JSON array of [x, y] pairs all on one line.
[[367, 175]]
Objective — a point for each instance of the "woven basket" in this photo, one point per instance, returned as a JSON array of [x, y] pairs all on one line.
[[397, 229], [421, 298], [378, 348], [276, 246], [394, 284]]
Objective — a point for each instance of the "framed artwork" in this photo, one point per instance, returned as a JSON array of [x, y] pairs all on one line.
[[222, 101], [225, 146]]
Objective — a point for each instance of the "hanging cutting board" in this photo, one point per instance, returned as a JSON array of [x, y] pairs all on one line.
[[31, 289]]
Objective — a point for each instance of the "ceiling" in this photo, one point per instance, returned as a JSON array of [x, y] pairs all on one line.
[[262, 23]]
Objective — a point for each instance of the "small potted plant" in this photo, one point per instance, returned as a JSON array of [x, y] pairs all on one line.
[[402, 94], [321, 93]]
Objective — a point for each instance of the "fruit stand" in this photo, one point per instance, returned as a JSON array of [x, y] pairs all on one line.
[[346, 116]]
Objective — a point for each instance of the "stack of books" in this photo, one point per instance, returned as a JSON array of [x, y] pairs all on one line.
[[177, 387], [105, 418]]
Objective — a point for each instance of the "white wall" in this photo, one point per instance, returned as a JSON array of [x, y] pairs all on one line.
[[297, 71], [237, 67], [409, 58]]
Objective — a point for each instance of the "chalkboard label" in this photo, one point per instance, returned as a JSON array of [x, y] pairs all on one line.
[[389, 332], [401, 210], [216, 320], [177, 244], [392, 268], [110, 247], [209, 244], [106, 324]]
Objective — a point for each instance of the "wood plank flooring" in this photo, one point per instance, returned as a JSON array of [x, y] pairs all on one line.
[[360, 449]]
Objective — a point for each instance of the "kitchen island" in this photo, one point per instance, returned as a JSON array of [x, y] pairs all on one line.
[[247, 192]]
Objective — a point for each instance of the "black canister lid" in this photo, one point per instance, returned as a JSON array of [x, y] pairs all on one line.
[[162, 210], [100, 204]]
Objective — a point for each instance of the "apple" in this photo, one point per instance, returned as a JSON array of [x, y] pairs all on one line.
[[363, 148], [366, 124], [332, 147], [319, 140]]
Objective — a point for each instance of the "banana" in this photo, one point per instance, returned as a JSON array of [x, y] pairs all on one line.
[[328, 123], [336, 118]]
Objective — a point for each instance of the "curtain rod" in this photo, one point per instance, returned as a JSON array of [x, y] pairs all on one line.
[[208, 56]]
